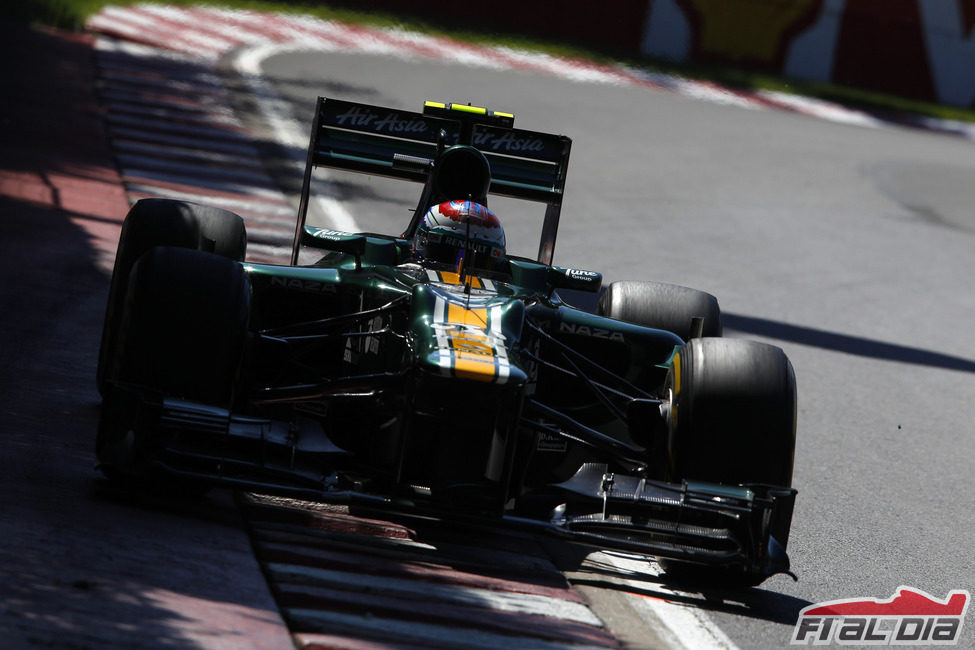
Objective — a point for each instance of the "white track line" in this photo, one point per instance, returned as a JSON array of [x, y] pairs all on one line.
[[681, 626], [287, 130]]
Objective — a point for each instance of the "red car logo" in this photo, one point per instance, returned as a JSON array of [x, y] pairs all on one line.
[[910, 616]]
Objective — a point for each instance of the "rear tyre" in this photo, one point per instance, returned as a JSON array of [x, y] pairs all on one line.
[[661, 306], [731, 419], [183, 333], [163, 222]]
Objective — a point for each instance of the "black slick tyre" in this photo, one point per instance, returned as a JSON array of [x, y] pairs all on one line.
[[731, 419], [185, 325], [661, 306], [163, 222], [183, 334], [732, 415]]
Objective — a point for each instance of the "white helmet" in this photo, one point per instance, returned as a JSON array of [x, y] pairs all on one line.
[[454, 230]]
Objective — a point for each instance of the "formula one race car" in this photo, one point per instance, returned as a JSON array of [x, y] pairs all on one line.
[[432, 374]]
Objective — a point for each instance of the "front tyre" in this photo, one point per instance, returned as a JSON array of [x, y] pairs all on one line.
[[183, 334], [732, 413], [731, 418]]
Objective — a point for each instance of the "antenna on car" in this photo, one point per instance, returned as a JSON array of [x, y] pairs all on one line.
[[441, 139], [465, 277]]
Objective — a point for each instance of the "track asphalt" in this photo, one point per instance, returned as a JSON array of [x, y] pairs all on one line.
[[81, 565]]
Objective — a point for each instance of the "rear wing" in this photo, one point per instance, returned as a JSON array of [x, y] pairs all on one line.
[[402, 144]]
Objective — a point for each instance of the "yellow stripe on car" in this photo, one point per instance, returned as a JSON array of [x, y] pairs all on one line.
[[676, 374], [474, 355], [470, 341], [673, 406], [454, 278], [460, 315]]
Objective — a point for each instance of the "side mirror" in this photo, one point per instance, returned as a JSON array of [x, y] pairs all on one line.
[[335, 240], [574, 279]]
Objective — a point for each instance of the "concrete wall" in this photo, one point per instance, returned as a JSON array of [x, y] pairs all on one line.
[[920, 49]]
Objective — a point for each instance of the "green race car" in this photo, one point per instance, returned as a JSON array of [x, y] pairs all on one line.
[[431, 373]]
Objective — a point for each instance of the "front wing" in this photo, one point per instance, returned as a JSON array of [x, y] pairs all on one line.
[[739, 528]]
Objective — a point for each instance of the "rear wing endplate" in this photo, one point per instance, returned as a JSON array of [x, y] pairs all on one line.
[[403, 144]]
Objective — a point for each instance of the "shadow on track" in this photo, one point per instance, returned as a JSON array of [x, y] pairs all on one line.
[[587, 569], [76, 569], [855, 345]]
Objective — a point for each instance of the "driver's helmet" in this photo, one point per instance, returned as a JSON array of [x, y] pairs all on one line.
[[460, 234]]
